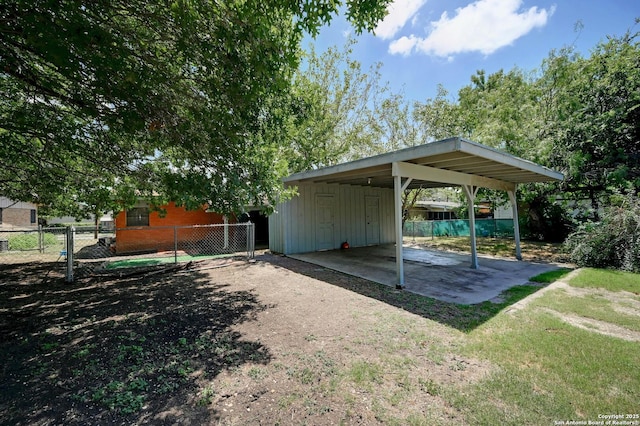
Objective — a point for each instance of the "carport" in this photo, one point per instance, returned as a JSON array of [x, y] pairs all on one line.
[[449, 162]]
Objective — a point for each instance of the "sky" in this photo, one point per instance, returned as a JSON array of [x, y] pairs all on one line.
[[423, 43]]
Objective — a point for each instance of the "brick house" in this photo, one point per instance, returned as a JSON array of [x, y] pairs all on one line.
[[140, 229], [17, 214]]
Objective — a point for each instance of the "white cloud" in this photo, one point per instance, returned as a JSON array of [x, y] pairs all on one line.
[[483, 26], [400, 11], [403, 45]]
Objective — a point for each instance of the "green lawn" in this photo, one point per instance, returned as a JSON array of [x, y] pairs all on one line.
[[609, 279], [551, 370]]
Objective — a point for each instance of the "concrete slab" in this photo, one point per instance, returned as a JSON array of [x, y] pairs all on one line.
[[442, 275]]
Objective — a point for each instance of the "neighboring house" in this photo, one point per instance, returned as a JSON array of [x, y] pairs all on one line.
[[503, 212], [139, 229], [434, 210], [17, 214]]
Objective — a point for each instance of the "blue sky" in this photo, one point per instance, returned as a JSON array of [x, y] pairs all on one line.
[[423, 43]]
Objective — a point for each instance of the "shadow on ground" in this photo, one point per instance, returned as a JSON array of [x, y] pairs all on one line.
[[462, 317], [116, 350]]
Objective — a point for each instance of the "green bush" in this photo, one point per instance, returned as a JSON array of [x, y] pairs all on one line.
[[614, 242], [29, 241]]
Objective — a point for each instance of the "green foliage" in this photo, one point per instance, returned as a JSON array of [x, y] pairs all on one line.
[[614, 242], [106, 101], [593, 117], [330, 109], [543, 218]]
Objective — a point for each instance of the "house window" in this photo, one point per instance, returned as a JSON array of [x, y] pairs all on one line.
[[138, 216], [33, 216]]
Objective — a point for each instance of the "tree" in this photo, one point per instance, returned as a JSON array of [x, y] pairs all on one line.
[[332, 109], [182, 93], [596, 128], [439, 117]]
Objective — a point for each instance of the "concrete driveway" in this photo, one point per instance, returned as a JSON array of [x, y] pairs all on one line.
[[441, 275]]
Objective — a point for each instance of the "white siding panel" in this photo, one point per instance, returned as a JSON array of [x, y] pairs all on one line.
[[293, 228]]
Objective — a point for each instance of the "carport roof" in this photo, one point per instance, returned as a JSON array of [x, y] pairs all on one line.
[[454, 154]]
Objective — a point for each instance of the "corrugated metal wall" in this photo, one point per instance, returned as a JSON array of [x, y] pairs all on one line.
[[294, 227]]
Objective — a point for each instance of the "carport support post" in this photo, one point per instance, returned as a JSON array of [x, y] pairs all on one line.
[[397, 196], [398, 189], [470, 191], [516, 224]]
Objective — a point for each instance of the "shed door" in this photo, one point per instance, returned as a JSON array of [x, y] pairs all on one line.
[[372, 216], [324, 222]]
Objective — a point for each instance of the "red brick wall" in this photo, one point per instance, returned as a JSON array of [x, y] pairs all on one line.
[[142, 238]]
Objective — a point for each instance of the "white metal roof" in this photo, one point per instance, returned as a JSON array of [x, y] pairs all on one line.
[[454, 154]]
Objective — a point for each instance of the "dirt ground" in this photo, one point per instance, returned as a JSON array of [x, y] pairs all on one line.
[[274, 341]]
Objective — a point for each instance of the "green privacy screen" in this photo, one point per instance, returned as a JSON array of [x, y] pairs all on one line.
[[458, 228]]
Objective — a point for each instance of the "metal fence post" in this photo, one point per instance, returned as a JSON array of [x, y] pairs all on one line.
[[432, 225], [248, 232], [70, 236], [175, 244], [40, 239], [226, 232]]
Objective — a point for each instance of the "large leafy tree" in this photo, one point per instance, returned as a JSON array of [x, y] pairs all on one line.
[[333, 100], [172, 98], [595, 133]]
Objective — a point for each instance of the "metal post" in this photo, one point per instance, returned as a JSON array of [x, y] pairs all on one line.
[[516, 224], [69, 238], [226, 232], [471, 191], [248, 232], [40, 239], [175, 244], [398, 220]]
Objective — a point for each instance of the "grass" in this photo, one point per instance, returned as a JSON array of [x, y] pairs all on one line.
[[550, 370], [609, 279], [132, 263], [551, 276], [29, 241]]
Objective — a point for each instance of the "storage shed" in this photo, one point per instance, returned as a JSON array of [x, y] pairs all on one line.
[[360, 202]]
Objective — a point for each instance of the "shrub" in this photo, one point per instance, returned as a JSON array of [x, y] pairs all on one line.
[[545, 220], [614, 242]]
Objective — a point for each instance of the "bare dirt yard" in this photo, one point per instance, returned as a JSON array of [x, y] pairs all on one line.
[[275, 341]]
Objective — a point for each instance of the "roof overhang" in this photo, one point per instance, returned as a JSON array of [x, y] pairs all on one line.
[[449, 162]]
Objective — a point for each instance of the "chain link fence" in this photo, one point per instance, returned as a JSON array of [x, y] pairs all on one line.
[[495, 228], [191, 241], [85, 250]]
